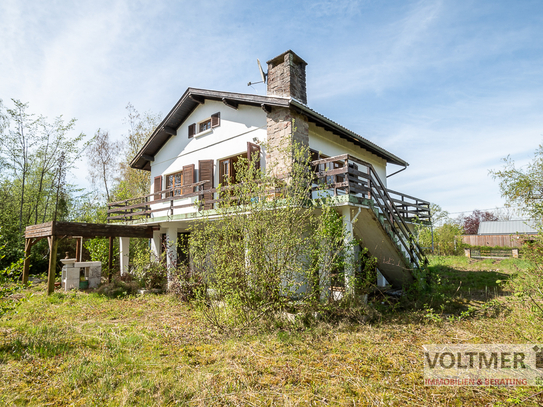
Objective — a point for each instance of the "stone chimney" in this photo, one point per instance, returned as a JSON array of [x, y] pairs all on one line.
[[286, 76], [286, 127]]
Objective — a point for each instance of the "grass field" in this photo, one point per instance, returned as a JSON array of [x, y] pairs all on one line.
[[86, 349]]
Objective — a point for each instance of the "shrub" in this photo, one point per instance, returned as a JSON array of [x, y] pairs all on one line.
[[185, 284], [10, 285], [120, 286], [447, 240], [271, 248], [150, 270], [528, 282]]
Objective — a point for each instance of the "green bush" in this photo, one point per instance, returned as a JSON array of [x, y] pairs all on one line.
[[10, 285], [528, 282], [185, 284], [272, 249], [149, 270], [119, 287], [447, 239]]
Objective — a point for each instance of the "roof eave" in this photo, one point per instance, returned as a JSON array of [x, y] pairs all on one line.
[[189, 101]]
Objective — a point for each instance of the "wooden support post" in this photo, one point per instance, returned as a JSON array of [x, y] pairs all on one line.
[[78, 243], [53, 245], [26, 265], [110, 259], [369, 183]]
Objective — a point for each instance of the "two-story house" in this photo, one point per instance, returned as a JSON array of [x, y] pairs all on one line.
[[194, 149]]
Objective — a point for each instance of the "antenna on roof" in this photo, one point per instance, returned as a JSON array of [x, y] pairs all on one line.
[[263, 74]]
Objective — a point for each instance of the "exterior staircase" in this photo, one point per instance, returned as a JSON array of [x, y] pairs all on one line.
[[382, 224]]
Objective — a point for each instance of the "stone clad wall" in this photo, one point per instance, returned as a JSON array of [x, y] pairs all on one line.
[[286, 77], [285, 128]]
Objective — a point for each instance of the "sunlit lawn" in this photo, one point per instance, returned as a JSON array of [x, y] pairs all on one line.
[[86, 349]]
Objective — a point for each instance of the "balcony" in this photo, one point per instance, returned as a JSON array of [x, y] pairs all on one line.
[[343, 175]]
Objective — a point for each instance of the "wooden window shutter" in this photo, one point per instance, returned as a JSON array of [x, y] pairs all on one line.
[[253, 151], [157, 187], [192, 130], [216, 119], [205, 173], [188, 178], [224, 171]]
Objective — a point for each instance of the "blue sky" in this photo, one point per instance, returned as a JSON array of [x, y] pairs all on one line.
[[450, 86]]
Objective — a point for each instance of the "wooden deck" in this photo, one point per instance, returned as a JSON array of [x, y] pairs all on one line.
[[343, 174], [54, 231]]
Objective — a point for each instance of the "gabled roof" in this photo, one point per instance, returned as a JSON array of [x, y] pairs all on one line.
[[192, 98], [332, 126], [507, 227]]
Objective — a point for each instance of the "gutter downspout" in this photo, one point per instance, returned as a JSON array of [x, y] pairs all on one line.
[[394, 173], [356, 216]]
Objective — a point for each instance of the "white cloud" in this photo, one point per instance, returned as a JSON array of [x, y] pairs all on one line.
[[450, 86]]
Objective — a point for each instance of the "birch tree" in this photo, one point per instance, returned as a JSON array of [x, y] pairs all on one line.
[[18, 144], [102, 155], [132, 182]]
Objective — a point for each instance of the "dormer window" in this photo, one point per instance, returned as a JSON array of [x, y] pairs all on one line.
[[205, 126]]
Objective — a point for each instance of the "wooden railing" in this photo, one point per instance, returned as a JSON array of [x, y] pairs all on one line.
[[343, 174], [359, 180], [135, 208], [339, 175], [140, 207], [348, 175]]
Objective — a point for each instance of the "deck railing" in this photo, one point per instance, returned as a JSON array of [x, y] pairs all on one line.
[[348, 175], [342, 174], [359, 181]]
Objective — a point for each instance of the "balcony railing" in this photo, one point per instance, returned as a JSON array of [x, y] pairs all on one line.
[[348, 175], [343, 175]]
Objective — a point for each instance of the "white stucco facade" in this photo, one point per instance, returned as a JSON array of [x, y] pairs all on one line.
[[331, 145], [237, 128]]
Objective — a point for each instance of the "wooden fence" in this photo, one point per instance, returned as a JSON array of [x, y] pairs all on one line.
[[493, 240]]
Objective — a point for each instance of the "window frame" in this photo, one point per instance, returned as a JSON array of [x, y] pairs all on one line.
[[206, 123], [232, 171], [194, 128], [175, 186]]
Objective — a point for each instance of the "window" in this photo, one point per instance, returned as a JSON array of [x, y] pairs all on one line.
[[211, 122], [205, 125], [174, 181], [227, 168]]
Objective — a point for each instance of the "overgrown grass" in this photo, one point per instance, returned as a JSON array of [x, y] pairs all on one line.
[[87, 349]]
